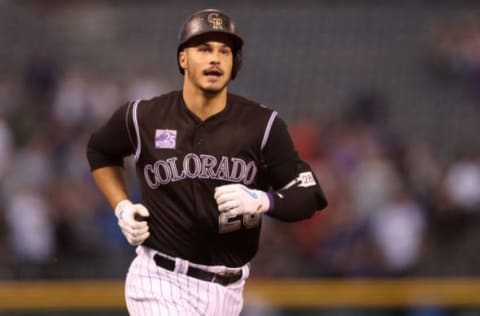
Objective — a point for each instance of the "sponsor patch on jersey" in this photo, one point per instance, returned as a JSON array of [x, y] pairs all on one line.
[[165, 138], [306, 179]]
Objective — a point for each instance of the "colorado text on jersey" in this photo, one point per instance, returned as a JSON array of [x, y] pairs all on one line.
[[199, 166]]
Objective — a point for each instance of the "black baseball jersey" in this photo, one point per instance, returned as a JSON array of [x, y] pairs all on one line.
[[181, 159]]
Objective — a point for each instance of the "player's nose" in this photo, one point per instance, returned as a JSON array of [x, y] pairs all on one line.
[[215, 58]]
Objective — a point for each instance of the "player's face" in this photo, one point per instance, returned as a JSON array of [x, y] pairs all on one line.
[[208, 65]]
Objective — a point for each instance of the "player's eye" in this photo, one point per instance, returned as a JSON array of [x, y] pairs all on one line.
[[203, 48], [225, 51]]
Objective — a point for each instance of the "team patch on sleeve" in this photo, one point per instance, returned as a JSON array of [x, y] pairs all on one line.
[[306, 179], [165, 138]]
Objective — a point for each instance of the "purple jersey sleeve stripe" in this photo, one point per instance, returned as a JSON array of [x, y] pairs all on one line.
[[268, 128], [137, 129]]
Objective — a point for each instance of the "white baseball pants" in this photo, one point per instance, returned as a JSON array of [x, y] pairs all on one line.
[[154, 291]]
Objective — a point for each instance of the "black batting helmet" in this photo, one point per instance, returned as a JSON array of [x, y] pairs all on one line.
[[211, 21]]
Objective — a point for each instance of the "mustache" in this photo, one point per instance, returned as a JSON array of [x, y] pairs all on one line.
[[213, 71]]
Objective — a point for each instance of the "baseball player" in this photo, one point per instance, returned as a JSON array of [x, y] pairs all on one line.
[[210, 164]]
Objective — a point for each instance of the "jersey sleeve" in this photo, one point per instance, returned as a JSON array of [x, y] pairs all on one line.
[[296, 193], [113, 141]]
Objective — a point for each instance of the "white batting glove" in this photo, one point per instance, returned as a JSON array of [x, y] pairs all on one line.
[[136, 231], [238, 199]]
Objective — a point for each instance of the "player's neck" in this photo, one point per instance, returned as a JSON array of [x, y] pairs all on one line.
[[204, 105]]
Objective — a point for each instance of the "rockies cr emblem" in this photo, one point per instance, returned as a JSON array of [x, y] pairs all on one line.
[[215, 21]]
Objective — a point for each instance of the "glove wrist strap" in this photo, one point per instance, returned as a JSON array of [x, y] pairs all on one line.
[[121, 207], [265, 202]]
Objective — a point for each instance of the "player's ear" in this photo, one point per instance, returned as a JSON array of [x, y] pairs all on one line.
[[182, 59]]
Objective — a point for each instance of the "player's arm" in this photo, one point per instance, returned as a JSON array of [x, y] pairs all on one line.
[[296, 193], [110, 181], [106, 149]]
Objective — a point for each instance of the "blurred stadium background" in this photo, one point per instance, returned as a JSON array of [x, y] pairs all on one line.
[[382, 98]]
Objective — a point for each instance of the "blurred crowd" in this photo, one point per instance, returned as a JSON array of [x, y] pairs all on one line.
[[397, 205], [456, 49], [53, 222], [396, 208]]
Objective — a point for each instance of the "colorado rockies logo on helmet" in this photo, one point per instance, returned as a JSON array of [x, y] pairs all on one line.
[[215, 21]]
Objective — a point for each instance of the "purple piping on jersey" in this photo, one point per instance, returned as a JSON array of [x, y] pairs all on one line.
[[268, 128], [137, 129], [126, 124]]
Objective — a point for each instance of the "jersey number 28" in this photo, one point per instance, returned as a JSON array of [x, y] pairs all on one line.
[[228, 223]]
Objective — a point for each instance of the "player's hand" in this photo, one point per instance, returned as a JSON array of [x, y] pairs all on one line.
[[130, 221], [238, 199]]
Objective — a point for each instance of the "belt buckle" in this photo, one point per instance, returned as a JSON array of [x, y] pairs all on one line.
[[225, 278]]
